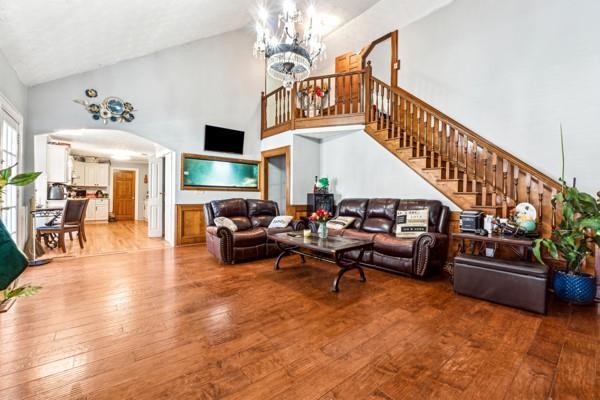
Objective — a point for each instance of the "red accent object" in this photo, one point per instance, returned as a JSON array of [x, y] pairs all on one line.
[[320, 216]]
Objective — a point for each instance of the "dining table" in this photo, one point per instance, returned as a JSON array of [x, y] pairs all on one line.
[[52, 214]]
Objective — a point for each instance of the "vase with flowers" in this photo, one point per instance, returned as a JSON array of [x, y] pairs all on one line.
[[321, 217], [311, 98]]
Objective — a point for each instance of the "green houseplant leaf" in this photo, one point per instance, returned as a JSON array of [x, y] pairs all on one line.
[[24, 179], [579, 228]]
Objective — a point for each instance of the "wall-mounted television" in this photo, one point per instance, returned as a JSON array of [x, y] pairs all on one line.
[[223, 140]]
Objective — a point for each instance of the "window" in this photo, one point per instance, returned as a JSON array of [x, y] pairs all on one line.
[[9, 155]]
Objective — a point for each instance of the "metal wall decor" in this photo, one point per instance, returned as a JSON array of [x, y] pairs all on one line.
[[110, 109]]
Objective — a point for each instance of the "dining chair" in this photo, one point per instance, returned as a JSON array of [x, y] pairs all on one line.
[[72, 220]]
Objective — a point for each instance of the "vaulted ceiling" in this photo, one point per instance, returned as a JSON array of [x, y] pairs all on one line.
[[48, 39]]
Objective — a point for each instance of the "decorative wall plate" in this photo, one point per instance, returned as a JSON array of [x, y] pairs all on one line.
[[110, 109]]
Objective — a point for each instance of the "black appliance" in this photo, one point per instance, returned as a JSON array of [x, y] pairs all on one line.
[[57, 192], [80, 193], [316, 201], [471, 221], [223, 140]]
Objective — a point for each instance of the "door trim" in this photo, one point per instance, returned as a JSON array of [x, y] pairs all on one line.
[[137, 184], [264, 174]]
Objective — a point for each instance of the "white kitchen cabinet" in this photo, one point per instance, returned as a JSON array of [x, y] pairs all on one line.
[[57, 162], [78, 173], [101, 209], [90, 212], [96, 174], [97, 210]]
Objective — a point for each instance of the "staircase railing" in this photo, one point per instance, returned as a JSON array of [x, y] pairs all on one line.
[[326, 100], [497, 178]]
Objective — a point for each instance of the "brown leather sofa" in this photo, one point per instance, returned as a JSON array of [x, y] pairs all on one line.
[[252, 218], [376, 220]]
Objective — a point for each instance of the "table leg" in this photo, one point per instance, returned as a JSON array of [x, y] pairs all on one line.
[[285, 251], [347, 266]]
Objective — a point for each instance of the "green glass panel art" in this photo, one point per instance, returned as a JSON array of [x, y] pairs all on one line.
[[198, 172]]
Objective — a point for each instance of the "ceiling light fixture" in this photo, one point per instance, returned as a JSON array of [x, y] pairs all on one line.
[[292, 52]]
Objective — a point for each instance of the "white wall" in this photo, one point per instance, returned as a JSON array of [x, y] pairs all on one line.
[[385, 16], [11, 87], [176, 91], [358, 166], [513, 71], [142, 188], [305, 166]]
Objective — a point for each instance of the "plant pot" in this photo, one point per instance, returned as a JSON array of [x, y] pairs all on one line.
[[575, 288], [322, 230]]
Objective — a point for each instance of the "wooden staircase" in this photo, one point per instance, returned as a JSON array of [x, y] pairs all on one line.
[[468, 169], [474, 173]]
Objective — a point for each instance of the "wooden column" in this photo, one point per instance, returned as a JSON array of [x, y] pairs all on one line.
[[368, 89]]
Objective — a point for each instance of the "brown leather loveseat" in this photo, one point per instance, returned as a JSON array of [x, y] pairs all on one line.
[[252, 218], [376, 220]]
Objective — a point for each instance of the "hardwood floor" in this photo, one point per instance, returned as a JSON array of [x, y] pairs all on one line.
[[105, 238], [173, 324]]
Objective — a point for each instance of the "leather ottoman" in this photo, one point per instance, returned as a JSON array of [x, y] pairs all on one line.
[[513, 283]]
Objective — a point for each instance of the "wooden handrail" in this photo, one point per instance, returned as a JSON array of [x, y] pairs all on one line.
[[480, 140]]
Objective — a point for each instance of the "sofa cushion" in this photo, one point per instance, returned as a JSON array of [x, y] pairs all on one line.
[[338, 223], [234, 209], [356, 234], [226, 223], [353, 208], [281, 221], [435, 209], [393, 246], [380, 216], [249, 237], [262, 212]]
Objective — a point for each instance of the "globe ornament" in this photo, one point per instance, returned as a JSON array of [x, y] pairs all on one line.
[[111, 109]]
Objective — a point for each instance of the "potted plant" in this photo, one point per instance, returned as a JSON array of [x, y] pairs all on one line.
[[321, 217], [13, 260], [573, 239]]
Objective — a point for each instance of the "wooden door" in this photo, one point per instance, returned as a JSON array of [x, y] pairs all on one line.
[[348, 88], [124, 195]]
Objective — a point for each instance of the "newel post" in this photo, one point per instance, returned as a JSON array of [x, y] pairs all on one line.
[[263, 113], [367, 87], [293, 106]]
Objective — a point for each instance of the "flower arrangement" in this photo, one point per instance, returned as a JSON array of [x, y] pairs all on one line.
[[320, 216], [311, 97]]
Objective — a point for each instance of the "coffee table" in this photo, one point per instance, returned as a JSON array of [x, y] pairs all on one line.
[[330, 250]]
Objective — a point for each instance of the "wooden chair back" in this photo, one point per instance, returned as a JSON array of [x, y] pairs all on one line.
[[74, 212]]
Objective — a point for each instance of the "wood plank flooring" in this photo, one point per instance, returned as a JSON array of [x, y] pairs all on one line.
[[106, 238], [173, 324]]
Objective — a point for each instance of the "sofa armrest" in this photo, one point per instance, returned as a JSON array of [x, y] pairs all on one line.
[[225, 243], [297, 225], [429, 252], [313, 226]]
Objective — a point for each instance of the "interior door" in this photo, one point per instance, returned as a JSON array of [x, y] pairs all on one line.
[[348, 88], [124, 195], [155, 197], [276, 181]]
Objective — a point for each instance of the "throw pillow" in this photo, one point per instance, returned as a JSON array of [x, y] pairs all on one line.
[[281, 221], [339, 223], [226, 223], [412, 223]]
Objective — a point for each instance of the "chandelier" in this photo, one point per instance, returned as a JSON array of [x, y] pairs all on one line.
[[293, 48]]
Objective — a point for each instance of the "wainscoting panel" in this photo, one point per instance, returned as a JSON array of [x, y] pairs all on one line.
[[297, 211], [190, 224]]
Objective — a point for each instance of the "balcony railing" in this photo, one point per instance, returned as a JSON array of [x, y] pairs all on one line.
[[327, 100]]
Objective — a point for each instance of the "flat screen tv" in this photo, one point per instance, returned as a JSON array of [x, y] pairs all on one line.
[[223, 140]]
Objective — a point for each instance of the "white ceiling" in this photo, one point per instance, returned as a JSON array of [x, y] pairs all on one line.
[[107, 143], [49, 39]]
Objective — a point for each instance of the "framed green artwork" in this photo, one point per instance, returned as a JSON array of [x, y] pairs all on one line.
[[218, 173]]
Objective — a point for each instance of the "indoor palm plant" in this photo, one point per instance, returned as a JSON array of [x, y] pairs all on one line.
[[574, 240], [13, 260]]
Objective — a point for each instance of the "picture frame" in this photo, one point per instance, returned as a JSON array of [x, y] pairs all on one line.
[[233, 174]]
